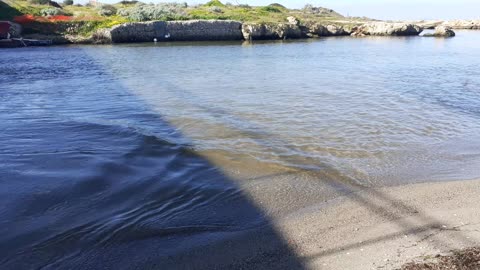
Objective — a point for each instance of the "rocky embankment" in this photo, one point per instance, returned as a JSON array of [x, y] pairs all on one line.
[[196, 30], [387, 29], [455, 24], [199, 30], [463, 24]]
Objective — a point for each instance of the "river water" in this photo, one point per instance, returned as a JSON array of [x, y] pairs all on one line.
[[131, 155]]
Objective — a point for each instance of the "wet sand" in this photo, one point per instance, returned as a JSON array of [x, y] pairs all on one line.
[[387, 227], [381, 228]]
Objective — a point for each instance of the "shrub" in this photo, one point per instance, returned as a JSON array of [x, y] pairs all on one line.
[[107, 10], [54, 4], [67, 2], [128, 2], [214, 3], [163, 11], [40, 2], [277, 5], [51, 11], [270, 9], [215, 9]]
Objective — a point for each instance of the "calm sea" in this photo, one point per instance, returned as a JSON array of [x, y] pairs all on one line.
[[138, 156]]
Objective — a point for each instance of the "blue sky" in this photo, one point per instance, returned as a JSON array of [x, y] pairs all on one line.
[[384, 9]]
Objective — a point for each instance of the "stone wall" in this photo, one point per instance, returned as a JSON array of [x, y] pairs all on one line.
[[203, 30], [196, 30], [199, 30], [256, 31]]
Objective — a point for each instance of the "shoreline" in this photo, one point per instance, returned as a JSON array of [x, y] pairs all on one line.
[[387, 227], [229, 30], [378, 228]]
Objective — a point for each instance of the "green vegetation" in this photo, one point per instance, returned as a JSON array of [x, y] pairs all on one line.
[[107, 10], [214, 3], [134, 10], [52, 11], [163, 11], [86, 19], [8, 12]]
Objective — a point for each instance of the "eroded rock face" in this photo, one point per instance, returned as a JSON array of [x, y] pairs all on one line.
[[463, 24], [321, 30], [387, 29], [428, 24], [255, 31], [444, 31], [441, 31], [334, 30], [293, 20], [195, 30]]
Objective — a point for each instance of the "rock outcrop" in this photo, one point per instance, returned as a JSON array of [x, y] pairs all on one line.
[[259, 31], [293, 20], [195, 30], [428, 24], [444, 31], [387, 29], [321, 30], [441, 31], [463, 24], [198, 30]]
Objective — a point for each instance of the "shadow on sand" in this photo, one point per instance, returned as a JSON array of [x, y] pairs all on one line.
[[83, 188]]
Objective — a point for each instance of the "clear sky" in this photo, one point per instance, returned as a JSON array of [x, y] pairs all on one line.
[[380, 9]]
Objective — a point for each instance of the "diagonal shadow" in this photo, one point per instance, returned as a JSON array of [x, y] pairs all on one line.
[[87, 183], [100, 191], [379, 203]]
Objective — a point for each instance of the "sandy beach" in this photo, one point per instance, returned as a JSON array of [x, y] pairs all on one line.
[[380, 228], [387, 227]]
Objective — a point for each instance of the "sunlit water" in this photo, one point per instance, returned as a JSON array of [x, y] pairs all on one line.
[[102, 145]]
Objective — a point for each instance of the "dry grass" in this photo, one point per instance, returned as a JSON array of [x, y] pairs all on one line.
[[467, 259]]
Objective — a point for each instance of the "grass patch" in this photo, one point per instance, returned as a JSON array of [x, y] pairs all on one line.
[[214, 3]]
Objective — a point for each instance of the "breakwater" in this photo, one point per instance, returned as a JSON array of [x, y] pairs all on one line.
[[199, 30]]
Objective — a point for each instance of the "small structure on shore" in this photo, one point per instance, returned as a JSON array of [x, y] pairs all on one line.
[[5, 30], [10, 37]]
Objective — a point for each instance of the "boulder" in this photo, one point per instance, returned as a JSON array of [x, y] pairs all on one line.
[[321, 30], [334, 30], [260, 31], [441, 31], [293, 20], [387, 29], [444, 31], [102, 36]]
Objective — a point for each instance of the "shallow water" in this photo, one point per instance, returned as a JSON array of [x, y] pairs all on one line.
[[169, 146]]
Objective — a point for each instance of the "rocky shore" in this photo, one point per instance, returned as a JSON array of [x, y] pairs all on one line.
[[199, 30], [220, 30]]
